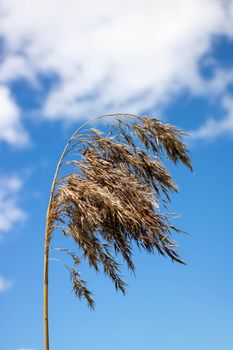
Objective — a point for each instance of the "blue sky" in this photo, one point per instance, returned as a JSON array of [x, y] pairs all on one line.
[[169, 59]]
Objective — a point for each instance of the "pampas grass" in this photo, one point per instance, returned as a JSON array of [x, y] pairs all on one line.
[[115, 195]]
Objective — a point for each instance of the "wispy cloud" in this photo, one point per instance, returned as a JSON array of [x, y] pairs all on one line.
[[11, 129], [5, 284], [10, 211], [120, 55], [214, 128]]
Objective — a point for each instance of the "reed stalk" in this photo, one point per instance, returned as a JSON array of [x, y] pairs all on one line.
[[91, 203]]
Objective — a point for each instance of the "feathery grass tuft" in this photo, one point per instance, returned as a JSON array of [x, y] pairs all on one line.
[[116, 194]]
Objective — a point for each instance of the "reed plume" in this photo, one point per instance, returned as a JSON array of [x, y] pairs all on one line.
[[114, 196]]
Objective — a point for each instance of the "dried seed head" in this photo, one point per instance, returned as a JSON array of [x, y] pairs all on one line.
[[113, 195]]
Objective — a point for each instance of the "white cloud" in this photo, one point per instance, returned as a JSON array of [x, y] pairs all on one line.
[[214, 128], [15, 67], [11, 129], [5, 284], [116, 55], [10, 211]]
